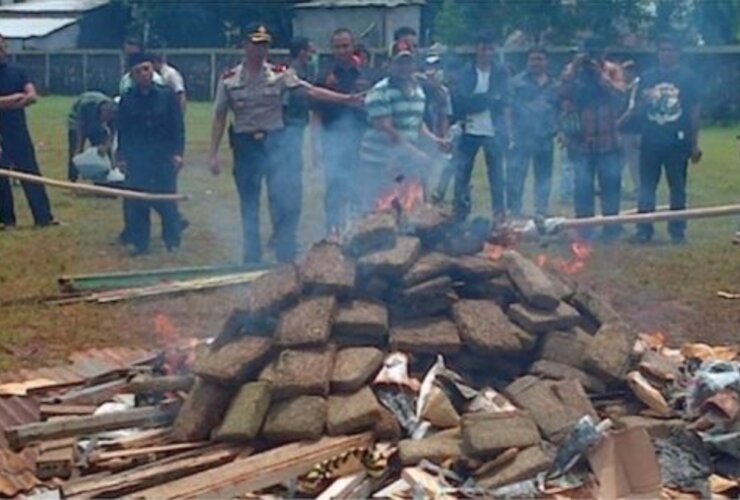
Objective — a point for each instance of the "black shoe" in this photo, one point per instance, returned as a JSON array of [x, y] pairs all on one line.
[[184, 224], [172, 247], [50, 223], [640, 239]]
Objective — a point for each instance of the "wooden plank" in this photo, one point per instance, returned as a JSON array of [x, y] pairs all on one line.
[[94, 395], [140, 439], [259, 471], [56, 462], [90, 188], [62, 410], [424, 481], [150, 475], [342, 487], [150, 416], [147, 384], [394, 489], [100, 456]]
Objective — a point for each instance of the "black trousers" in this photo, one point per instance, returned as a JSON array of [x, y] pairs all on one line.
[[18, 153], [153, 177], [653, 159], [267, 158], [466, 153]]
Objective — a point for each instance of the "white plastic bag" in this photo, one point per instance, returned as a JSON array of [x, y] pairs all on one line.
[[91, 165]]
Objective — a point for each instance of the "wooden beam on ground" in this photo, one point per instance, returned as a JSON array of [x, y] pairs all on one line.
[[150, 416], [342, 487], [258, 471], [151, 474], [151, 385], [61, 410], [140, 439], [93, 395], [100, 456], [89, 188]]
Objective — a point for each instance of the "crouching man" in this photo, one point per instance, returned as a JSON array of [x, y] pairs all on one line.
[[151, 139]]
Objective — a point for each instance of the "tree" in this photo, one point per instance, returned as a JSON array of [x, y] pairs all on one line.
[[194, 23]]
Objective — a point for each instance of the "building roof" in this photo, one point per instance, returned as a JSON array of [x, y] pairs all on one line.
[[329, 4], [25, 27], [40, 7]]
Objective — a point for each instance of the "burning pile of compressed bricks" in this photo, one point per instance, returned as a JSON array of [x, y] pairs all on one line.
[[403, 361], [300, 360]]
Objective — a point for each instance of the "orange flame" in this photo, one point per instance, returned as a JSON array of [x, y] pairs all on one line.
[[179, 352], [573, 265], [165, 330], [407, 193]]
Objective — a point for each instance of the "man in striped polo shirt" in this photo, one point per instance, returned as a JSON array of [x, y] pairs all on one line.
[[390, 148]]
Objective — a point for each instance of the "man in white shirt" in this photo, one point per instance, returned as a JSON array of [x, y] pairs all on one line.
[[480, 101], [172, 78]]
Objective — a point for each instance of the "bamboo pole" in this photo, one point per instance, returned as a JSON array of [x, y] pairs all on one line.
[[692, 213], [88, 188]]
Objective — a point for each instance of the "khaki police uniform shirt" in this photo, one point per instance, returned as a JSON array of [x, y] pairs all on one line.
[[257, 102]]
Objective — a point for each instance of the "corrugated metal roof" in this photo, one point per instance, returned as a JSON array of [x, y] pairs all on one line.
[[17, 472], [53, 6], [30, 27], [329, 4], [84, 366]]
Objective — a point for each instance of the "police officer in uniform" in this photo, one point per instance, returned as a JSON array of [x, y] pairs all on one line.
[[254, 92]]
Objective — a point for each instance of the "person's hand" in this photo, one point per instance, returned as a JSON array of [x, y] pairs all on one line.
[[444, 145], [177, 162], [213, 165], [696, 154], [356, 100], [103, 150], [27, 100], [121, 165]]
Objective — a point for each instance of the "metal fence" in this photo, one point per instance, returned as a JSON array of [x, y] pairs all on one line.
[[69, 73]]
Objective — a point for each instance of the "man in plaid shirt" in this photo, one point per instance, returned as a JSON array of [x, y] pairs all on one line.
[[596, 88]]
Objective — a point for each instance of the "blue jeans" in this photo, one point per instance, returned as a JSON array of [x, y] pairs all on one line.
[[466, 153], [567, 180], [606, 167], [516, 175]]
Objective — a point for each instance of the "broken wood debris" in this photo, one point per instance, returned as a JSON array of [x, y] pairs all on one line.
[[309, 358]]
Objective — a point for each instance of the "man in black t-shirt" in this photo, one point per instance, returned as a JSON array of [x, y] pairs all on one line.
[[16, 94], [669, 112], [341, 129]]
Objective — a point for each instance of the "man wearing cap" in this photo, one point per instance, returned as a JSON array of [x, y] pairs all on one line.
[[151, 140], [391, 148], [254, 91], [16, 147], [90, 119]]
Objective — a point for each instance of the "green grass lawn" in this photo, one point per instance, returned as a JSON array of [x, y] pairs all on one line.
[[659, 287]]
